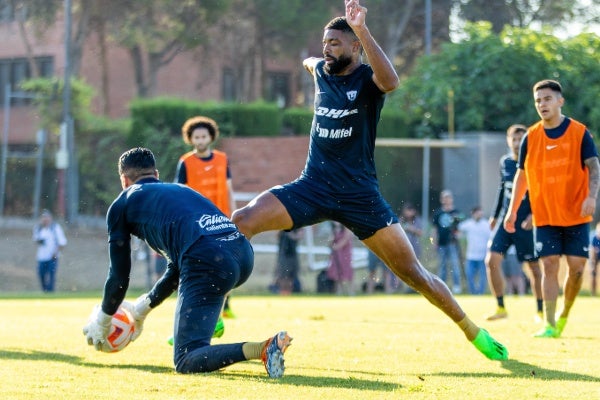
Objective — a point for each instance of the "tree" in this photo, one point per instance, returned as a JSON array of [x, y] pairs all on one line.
[[259, 30], [521, 13], [491, 77], [400, 28], [156, 31]]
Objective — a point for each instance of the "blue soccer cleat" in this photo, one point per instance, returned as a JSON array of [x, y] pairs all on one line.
[[272, 354]]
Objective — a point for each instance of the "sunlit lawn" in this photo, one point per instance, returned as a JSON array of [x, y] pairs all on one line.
[[361, 347]]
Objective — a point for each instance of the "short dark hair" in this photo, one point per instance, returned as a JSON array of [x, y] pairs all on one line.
[[548, 84], [137, 162], [340, 24], [516, 128], [199, 122]]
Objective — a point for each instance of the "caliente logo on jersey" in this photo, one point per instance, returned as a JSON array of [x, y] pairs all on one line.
[[214, 222]]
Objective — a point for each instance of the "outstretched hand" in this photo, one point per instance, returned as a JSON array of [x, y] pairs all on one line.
[[355, 13], [97, 328]]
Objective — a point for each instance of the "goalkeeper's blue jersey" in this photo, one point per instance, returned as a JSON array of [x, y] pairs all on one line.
[[170, 217], [340, 159]]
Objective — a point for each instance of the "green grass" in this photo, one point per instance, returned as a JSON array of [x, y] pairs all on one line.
[[377, 347]]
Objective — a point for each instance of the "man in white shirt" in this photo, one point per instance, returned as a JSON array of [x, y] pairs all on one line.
[[477, 232], [50, 238]]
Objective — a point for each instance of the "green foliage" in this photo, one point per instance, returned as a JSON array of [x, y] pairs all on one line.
[[490, 77], [297, 120], [100, 142], [392, 124], [517, 13], [156, 124], [49, 100], [257, 119], [20, 185]]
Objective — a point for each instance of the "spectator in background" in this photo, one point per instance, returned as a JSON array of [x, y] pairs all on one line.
[[386, 281], [288, 263], [160, 265], [477, 233], [340, 261], [413, 226], [513, 273], [445, 222], [50, 239], [594, 258]]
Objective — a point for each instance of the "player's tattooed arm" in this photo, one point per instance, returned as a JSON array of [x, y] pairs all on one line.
[[593, 166], [589, 204]]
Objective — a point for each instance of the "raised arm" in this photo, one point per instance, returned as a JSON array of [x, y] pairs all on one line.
[[384, 74]]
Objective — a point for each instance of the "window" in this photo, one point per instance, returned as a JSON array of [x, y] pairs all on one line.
[[7, 11], [13, 71], [229, 91], [278, 89]]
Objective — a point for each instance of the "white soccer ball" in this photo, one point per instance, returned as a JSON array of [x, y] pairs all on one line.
[[121, 329]]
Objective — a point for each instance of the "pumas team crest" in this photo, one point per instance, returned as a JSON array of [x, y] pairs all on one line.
[[351, 95]]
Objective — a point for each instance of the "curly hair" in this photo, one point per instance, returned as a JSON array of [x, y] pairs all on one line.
[[199, 122]]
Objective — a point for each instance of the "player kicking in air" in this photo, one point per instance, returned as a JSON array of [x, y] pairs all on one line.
[[339, 181], [207, 258]]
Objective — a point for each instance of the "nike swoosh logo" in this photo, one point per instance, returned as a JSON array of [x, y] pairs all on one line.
[[551, 147], [208, 167], [390, 221]]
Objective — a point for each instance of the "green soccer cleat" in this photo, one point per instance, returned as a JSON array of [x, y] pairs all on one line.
[[272, 354], [548, 332], [560, 325], [219, 328], [490, 348], [219, 331]]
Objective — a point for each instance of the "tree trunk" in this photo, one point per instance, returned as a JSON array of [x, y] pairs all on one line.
[[138, 70], [33, 67]]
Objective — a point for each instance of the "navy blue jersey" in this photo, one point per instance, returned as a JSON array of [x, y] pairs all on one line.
[[169, 217], [446, 224], [596, 245], [508, 170], [340, 158]]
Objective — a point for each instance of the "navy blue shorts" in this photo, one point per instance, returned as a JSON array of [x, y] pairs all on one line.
[[521, 238], [562, 240], [363, 215]]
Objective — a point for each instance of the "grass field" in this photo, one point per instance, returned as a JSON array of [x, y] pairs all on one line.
[[378, 347]]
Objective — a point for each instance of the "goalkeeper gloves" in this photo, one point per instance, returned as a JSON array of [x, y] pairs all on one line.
[[97, 328], [139, 310]]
